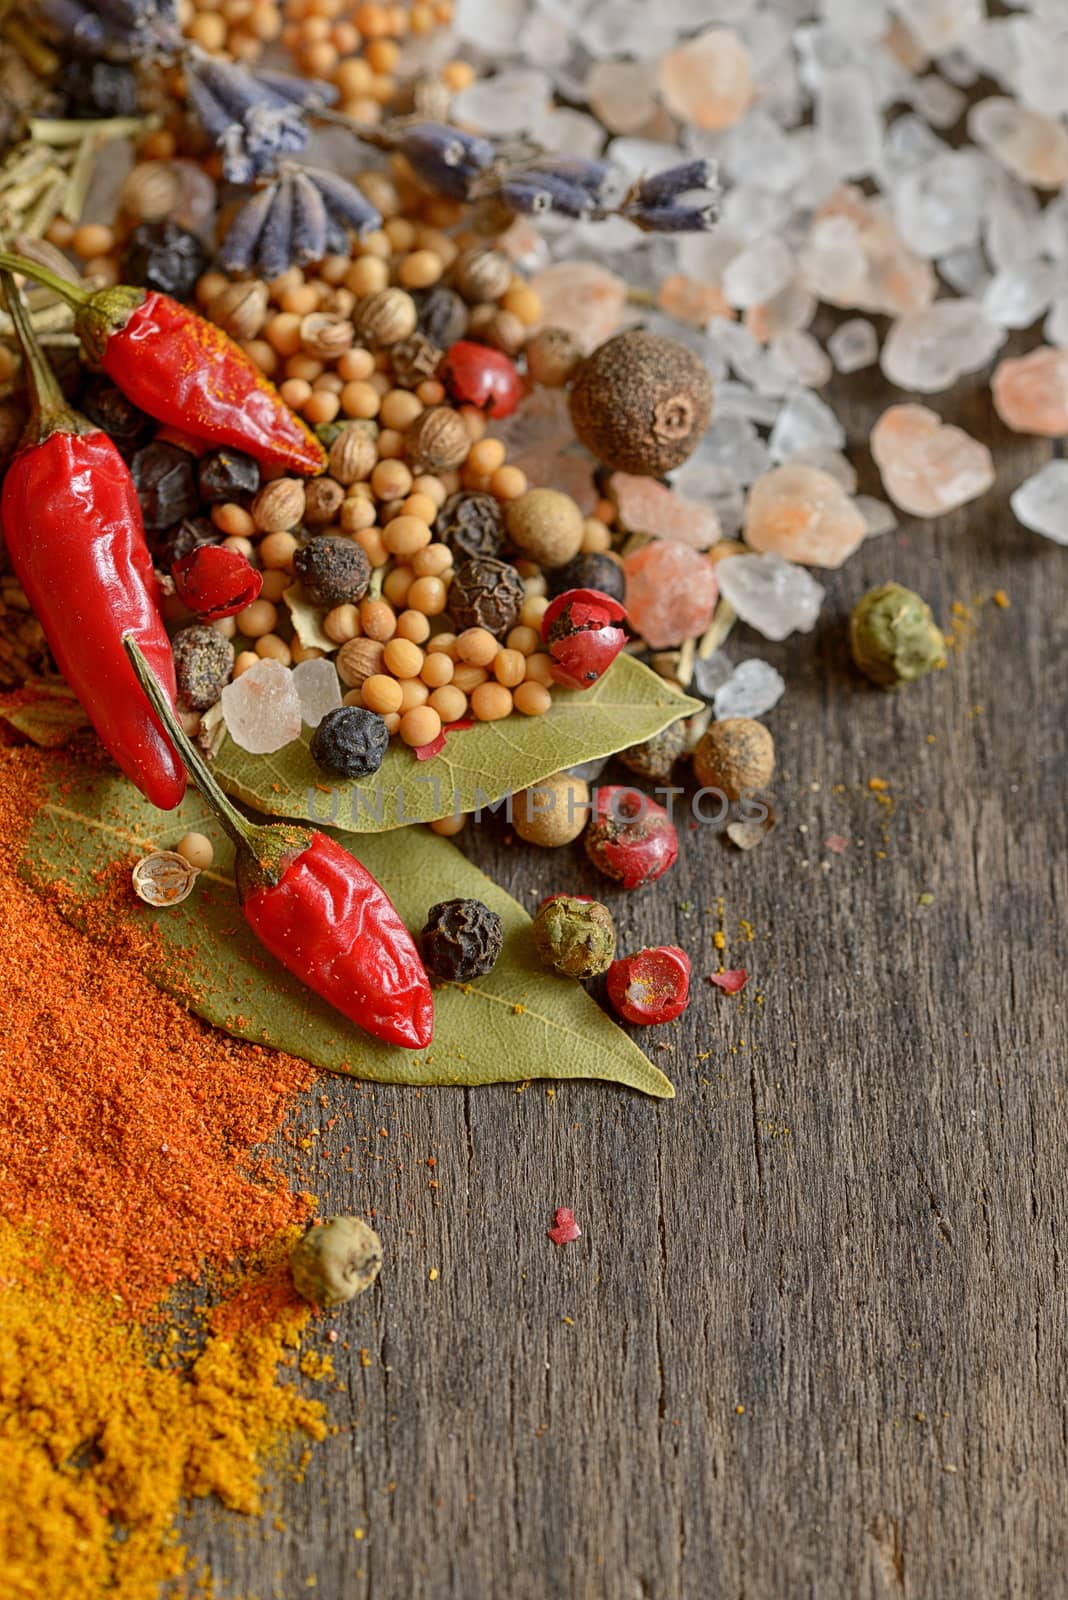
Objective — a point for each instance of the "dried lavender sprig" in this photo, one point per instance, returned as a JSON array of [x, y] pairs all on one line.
[[538, 193], [310, 221], [674, 181], [344, 201], [671, 218], [445, 158], [311, 93], [275, 251], [579, 171], [241, 244]]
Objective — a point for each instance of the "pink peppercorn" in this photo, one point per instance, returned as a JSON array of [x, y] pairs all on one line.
[[629, 837], [475, 375], [583, 631], [216, 583], [652, 986]]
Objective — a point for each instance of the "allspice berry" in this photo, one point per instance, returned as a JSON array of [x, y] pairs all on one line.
[[335, 1261], [575, 936], [546, 526], [893, 636], [552, 812], [437, 440], [641, 402], [735, 756]]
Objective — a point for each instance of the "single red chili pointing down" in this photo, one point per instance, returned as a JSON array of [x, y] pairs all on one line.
[[73, 529], [316, 909], [183, 370]]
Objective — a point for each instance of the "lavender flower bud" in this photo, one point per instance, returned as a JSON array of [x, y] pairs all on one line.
[[309, 221], [243, 236], [235, 88], [310, 93], [270, 132], [236, 165], [575, 170], [446, 159], [673, 181], [345, 201], [671, 218], [275, 250], [77, 24], [210, 112], [535, 193]]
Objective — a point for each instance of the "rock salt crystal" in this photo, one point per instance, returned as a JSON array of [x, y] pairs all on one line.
[[937, 25], [1018, 295], [582, 297], [262, 708], [803, 356], [752, 689], [1041, 502], [804, 421], [878, 517], [718, 487], [932, 349], [318, 690], [853, 345], [803, 515], [622, 94], [646, 506], [711, 673], [928, 466], [758, 272], [708, 81], [671, 592], [1034, 147], [1031, 392], [770, 594], [939, 206], [508, 103]]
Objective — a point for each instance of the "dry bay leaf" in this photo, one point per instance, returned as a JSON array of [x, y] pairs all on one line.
[[518, 1023], [478, 766]]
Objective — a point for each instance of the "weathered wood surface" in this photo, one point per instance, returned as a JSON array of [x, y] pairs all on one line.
[[847, 1223]]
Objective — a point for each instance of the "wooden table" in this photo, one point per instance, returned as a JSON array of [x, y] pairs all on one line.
[[811, 1342]]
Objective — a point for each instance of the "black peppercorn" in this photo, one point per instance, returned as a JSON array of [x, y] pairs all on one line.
[[164, 257], [442, 316], [181, 540], [351, 741], [471, 524], [203, 662], [334, 571], [165, 477], [225, 475], [462, 940], [589, 570], [97, 89], [655, 757], [485, 593], [119, 418]]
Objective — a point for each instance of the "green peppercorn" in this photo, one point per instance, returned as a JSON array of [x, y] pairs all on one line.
[[893, 636], [336, 1261], [575, 936]]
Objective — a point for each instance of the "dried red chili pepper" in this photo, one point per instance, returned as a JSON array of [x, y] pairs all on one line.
[[76, 541], [316, 909], [216, 583], [182, 370]]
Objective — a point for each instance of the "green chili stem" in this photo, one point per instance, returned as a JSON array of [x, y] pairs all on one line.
[[49, 411], [238, 827], [66, 290]]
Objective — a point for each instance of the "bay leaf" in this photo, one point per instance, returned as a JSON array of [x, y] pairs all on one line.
[[478, 767], [46, 713], [307, 620], [519, 1022]]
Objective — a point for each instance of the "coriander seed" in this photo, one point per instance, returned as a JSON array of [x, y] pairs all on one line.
[[553, 812], [336, 1261]]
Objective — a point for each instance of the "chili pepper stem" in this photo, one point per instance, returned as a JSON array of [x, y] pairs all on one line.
[[49, 411], [241, 831], [70, 292]]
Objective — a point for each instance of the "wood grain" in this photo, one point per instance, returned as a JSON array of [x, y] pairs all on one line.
[[847, 1224]]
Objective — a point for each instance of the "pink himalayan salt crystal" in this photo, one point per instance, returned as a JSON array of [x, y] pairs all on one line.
[[671, 592], [1032, 146], [646, 506], [1031, 392], [691, 301], [897, 281], [804, 515], [582, 297], [709, 80], [927, 465]]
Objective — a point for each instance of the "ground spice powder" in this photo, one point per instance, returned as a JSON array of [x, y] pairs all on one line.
[[125, 1131]]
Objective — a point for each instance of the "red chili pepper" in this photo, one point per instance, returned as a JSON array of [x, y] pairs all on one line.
[[475, 375], [316, 909], [184, 371], [583, 631], [76, 541], [216, 583], [652, 986]]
